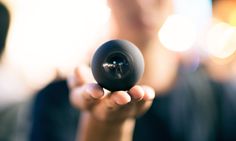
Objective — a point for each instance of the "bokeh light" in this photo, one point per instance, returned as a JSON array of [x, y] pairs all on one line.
[[178, 33], [52, 36], [232, 18], [221, 40]]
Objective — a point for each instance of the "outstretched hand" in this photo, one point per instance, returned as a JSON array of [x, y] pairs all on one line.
[[88, 96]]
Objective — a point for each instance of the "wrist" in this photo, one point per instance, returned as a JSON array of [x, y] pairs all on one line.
[[92, 128]]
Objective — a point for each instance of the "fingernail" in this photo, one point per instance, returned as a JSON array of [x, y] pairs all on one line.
[[138, 92], [122, 101], [150, 93], [71, 81]]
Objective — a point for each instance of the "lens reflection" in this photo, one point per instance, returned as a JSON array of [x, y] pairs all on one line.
[[116, 65]]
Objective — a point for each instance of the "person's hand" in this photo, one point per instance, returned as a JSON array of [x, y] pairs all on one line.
[[102, 105]]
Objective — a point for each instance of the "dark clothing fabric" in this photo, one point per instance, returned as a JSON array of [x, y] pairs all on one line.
[[8, 118], [196, 109], [53, 118], [4, 25], [15, 121]]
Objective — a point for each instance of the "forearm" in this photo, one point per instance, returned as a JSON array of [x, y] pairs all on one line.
[[91, 129]]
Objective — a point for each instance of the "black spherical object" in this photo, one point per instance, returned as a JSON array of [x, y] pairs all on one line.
[[117, 65]]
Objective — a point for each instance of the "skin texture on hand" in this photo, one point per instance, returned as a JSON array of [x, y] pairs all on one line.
[[104, 111]]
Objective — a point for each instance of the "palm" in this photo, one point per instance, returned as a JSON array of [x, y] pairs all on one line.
[[115, 106]]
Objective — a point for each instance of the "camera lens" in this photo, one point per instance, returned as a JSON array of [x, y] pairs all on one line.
[[116, 65]]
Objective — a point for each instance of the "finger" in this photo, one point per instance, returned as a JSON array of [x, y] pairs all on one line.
[[136, 93], [71, 81], [145, 103], [86, 96], [81, 76], [117, 99], [149, 93]]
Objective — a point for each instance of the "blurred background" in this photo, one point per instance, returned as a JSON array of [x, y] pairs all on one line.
[[49, 38]]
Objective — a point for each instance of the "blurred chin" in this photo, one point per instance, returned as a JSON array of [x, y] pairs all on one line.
[[146, 31]]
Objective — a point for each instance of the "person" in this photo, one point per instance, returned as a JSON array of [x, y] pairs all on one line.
[[187, 105], [5, 22], [7, 113], [14, 123]]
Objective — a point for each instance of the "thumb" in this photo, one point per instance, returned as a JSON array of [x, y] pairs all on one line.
[[82, 75]]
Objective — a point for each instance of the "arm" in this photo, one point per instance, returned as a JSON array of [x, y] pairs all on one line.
[[93, 130]]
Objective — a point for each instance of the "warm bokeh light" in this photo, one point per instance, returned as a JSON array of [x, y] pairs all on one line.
[[221, 40], [48, 35], [178, 33], [232, 17], [199, 11]]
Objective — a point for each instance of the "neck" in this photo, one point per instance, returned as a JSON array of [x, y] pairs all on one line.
[[142, 40]]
